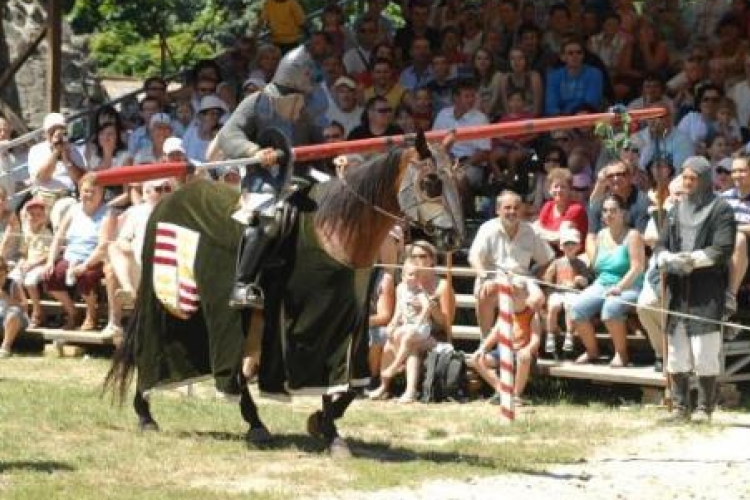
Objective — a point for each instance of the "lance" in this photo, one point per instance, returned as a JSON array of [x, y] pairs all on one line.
[[140, 173]]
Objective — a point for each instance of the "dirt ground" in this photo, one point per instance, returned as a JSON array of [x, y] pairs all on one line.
[[670, 463]]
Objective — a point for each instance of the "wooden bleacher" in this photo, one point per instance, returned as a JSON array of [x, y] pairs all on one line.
[[735, 358]]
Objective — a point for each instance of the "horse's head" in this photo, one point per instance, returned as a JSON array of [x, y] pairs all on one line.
[[429, 194]]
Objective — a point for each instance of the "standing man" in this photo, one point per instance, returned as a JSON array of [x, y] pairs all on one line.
[[694, 250], [281, 104], [506, 243], [473, 155]]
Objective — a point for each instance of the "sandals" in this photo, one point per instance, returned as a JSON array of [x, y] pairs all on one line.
[[406, 399]]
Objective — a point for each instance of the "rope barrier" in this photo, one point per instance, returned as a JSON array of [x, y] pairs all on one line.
[[470, 272]]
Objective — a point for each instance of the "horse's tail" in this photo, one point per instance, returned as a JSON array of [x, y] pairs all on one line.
[[120, 374]]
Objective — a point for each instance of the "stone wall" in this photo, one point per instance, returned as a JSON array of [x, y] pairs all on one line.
[[26, 93]]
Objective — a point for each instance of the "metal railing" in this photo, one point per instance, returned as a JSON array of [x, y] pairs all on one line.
[[35, 134]]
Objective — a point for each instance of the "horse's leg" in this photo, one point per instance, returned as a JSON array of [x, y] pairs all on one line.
[[322, 423], [142, 408], [258, 434]]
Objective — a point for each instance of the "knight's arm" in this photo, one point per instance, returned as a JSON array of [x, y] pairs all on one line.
[[233, 140]]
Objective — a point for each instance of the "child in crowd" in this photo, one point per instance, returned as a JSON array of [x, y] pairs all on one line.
[[526, 338], [12, 317], [410, 320], [35, 242], [568, 271]]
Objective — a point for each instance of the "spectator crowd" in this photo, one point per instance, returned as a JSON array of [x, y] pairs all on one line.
[[575, 221]]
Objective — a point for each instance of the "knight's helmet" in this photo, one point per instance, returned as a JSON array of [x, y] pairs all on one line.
[[295, 72]]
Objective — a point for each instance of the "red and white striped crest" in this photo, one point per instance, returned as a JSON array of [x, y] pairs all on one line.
[[174, 276]]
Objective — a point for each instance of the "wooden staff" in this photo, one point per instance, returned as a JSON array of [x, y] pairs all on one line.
[[661, 199]]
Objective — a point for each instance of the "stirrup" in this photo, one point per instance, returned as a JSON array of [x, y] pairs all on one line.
[[247, 296]]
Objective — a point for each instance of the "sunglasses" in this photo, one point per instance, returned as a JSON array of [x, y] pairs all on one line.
[[156, 89], [633, 150], [163, 189], [208, 90], [615, 175], [384, 111]]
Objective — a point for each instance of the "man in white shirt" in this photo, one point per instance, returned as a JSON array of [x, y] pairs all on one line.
[[344, 108], [55, 164], [472, 154], [506, 243], [357, 59]]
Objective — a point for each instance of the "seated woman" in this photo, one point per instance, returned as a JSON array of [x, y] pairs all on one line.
[[80, 264], [382, 300], [618, 258], [561, 208], [442, 310]]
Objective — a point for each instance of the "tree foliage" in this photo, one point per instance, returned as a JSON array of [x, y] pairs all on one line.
[[130, 38]]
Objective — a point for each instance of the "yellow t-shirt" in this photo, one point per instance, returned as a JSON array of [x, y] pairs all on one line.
[[284, 19]]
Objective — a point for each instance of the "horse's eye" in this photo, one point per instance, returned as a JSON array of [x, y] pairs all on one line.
[[431, 186]]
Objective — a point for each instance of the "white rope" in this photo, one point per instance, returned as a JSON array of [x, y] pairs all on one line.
[[470, 272]]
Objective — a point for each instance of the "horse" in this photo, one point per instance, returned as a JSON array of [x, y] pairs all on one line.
[[312, 332]]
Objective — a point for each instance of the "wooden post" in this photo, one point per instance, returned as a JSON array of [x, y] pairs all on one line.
[[54, 46]]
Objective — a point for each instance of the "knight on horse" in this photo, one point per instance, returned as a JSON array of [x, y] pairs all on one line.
[[267, 188]]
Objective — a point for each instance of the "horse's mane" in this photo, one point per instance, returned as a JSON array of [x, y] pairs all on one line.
[[347, 205]]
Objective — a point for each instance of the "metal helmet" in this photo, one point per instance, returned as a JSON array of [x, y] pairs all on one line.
[[295, 72]]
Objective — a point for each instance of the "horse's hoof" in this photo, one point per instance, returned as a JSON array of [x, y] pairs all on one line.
[[149, 426], [313, 424], [258, 436], [339, 449]]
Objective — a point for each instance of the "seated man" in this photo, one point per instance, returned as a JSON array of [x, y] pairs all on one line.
[[739, 199], [509, 244]]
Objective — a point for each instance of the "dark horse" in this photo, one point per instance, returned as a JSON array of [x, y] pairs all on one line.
[[312, 333]]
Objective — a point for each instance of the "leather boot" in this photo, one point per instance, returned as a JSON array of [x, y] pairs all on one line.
[[680, 399], [706, 399], [246, 291]]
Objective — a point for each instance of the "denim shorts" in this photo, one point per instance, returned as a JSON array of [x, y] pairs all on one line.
[[378, 335], [592, 301]]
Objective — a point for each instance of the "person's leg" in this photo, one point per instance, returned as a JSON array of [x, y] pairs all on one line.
[[11, 327], [375, 353], [389, 353], [587, 304], [121, 260], [679, 366], [406, 335], [554, 307], [652, 321], [246, 291], [706, 351], [114, 309], [413, 371], [524, 359], [88, 284], [737, 270], [485, 309], [59, 291], [614, 315]]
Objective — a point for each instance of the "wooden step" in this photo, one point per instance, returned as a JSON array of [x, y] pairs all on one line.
[[636, 375], [74, 336]]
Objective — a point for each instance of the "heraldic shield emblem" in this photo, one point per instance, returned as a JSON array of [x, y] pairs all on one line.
[[173, 276]]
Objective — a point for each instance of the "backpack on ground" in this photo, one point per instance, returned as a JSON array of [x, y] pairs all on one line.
[[444, 376]]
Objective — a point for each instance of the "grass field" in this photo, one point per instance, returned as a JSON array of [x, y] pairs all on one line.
[[60, 439]]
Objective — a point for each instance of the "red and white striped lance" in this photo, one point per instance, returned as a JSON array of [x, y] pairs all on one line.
[[503, 331], [140, 173]]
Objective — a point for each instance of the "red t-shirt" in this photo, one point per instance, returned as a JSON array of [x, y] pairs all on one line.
[[575, 214]]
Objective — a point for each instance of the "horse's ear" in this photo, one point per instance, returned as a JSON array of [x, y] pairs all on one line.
[[420, 144], [448, 140]]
